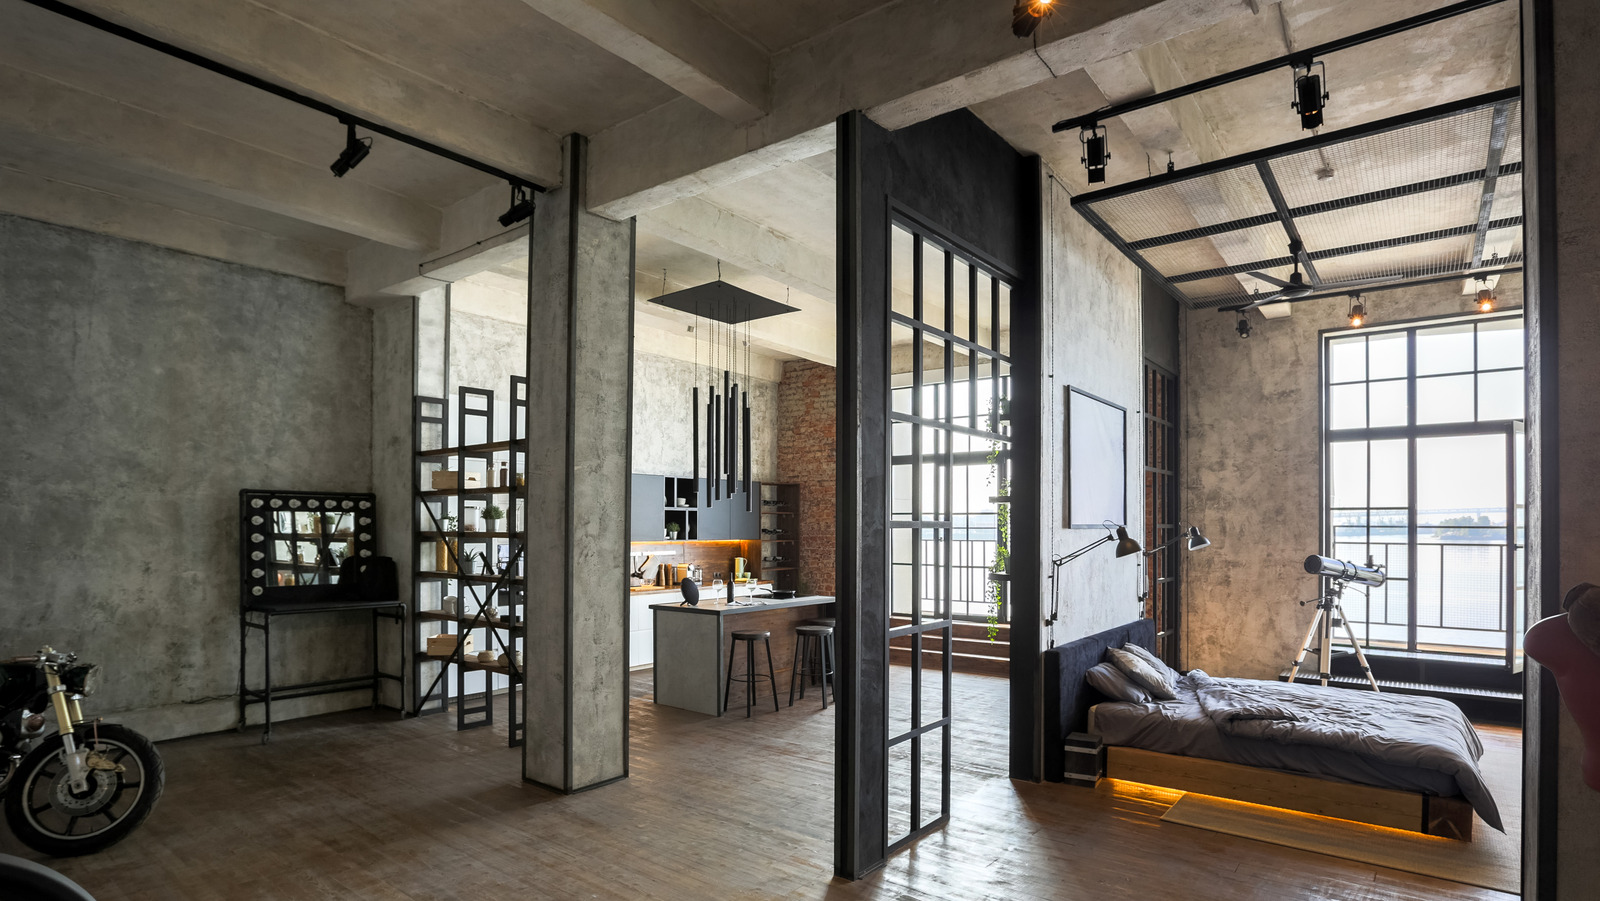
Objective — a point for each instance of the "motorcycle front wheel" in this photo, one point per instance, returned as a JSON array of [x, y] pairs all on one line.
[[48, 816]]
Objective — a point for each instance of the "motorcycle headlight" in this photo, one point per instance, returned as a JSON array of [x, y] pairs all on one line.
[[81, 678]]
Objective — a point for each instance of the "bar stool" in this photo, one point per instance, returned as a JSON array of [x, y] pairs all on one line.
[[829, 622], [812, 643], [750, 677]]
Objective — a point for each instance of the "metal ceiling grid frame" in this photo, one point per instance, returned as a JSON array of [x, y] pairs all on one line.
[[1430, 195]]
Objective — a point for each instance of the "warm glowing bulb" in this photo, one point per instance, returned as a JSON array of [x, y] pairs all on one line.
[[1486, 305], [1355, 320]]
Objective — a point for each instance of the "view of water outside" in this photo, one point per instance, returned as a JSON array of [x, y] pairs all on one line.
[[1465, 373]]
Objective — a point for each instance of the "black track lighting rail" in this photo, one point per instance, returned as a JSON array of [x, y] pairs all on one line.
[[1293, 60], [227, 71]]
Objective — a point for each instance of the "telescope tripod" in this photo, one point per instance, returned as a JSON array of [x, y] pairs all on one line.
[[1329, 615]]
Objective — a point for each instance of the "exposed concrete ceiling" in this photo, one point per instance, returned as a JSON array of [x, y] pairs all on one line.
[[1465, 56], [711, 120]]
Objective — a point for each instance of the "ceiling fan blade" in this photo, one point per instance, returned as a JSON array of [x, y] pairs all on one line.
[[1269, 279], [1256, 301]]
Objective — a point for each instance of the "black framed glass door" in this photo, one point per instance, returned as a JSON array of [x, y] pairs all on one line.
[[950, 437]]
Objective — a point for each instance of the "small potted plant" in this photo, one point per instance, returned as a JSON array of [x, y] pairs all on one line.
[[470, 561], [672, 530], [493, 514]]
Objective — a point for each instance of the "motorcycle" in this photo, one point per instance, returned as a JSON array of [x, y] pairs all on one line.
[[83, 787]]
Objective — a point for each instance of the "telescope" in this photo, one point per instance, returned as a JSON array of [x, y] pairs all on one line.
[[1345, 571]]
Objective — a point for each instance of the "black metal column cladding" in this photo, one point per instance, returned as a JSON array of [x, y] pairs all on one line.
[[953, 176], [1541, 704]]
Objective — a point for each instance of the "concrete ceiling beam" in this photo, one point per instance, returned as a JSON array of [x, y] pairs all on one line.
[[63, 203], [703, 226], [900, 65], [271, 45], [114, 135], [680, 44]]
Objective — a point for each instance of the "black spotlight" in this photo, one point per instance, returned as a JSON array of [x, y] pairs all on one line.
[[355, 150], [1243, 328], [521, 206], [1095, 154], [1310, 93], [1027, 14]]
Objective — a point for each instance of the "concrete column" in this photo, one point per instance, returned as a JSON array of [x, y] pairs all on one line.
[[394, 339], [1562, 203], [580, 342]]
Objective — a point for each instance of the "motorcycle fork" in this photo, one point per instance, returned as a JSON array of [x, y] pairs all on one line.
[[65, 708]]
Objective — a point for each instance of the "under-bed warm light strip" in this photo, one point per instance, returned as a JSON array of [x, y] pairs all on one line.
[[1147, 792]]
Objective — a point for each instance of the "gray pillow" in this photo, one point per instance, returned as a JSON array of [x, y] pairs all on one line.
[[1143, 674], [1156, 663], [1111, 682]]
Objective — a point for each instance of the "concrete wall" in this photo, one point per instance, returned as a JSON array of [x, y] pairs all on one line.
[[807, 408], [143, 388], [485, 353], [1252, 450], [663, 436], [1092, 342]]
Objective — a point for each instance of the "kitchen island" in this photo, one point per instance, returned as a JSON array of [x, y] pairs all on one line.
[[691, 648]]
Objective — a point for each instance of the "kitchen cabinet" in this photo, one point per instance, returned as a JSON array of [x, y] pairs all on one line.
[[648, 520]]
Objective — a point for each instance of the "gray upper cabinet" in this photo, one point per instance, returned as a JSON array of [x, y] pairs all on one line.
[[725, 520], [648, 519]]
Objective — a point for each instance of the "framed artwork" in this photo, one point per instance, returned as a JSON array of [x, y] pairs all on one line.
[[1097, 461]]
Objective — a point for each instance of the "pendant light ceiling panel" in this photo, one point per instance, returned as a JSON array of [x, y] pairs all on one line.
[[723, 302]]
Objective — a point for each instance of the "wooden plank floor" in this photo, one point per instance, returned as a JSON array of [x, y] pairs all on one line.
[[362, 805]]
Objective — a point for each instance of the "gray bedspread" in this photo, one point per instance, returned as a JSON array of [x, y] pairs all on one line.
[[1388, 740]]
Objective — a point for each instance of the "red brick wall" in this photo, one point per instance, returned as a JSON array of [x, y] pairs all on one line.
[[806, 457]]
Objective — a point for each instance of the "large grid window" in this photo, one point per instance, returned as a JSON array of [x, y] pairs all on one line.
[[950, 434], [1423, 454]]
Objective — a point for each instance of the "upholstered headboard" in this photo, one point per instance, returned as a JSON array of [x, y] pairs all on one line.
[[1067, 698]]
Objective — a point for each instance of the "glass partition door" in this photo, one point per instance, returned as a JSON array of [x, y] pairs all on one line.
[[950, 434]]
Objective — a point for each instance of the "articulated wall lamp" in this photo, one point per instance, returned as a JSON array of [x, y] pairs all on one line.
[[1310, 93], [1126, 546], [1095, 153], [355, 150], [1196, 541]]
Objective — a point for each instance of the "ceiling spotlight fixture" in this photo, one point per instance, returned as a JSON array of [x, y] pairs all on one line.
[[355, 150], [1486, 298], [521, 206], [1310, 93], [1358, 311], [1243, 328], [1027, 14], [1095, 153]]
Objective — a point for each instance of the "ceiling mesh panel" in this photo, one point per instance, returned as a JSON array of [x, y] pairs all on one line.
[[1402, 203]]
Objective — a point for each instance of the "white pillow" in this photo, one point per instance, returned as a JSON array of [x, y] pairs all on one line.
[[1143, 674], [1114, 684]]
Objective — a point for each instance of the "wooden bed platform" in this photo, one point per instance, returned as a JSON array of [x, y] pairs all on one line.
[[1067, 700], [1414, 812]]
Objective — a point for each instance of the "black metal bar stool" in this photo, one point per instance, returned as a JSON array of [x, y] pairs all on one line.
[[750, 677], [812, 644]]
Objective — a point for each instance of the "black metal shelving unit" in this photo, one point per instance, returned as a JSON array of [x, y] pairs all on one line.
[[780, 534], [491, 598]]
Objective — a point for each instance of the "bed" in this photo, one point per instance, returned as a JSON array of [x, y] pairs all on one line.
[[1392, 760]]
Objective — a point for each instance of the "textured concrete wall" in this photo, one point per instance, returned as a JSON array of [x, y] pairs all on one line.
[[663, 436], [1252, 451], [486, 353], [578, 465], [807, 408], [143, 388], [1092, 342]]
